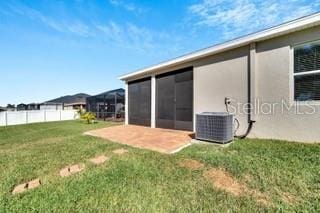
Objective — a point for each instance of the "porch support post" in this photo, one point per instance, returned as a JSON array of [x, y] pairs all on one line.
[[126, 117], [153, 101]]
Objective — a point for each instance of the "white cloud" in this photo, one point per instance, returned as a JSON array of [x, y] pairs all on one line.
[[238, 17], [131, 36], [125, 36], [72, 27], [79, 29], [127, 6]]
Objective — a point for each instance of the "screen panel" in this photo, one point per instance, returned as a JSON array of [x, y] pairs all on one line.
[[175, 100], [140, 102], [165, 102], [184, 100]]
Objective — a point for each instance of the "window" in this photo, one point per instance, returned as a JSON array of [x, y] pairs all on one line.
[[307, 72]]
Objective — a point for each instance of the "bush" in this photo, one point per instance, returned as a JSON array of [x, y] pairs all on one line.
[[89, 117]]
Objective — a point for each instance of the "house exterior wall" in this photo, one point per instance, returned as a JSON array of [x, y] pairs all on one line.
[[68, 107], [276, 113], [226, 75], [275, 85], [220, 76]]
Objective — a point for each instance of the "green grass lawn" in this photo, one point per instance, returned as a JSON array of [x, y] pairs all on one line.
[[286, 174]]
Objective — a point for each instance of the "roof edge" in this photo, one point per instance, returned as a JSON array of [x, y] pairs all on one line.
[[282, 29], [107, 92]]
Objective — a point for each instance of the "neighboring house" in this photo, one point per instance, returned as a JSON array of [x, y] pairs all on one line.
[[2, 109], [51, 106], [33, 106], [109, 104], [69, 102], [22, 107], [11, 107], [74, 106], [274, 72]]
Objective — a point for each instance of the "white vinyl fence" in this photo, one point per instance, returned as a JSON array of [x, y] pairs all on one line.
[[36, 116]]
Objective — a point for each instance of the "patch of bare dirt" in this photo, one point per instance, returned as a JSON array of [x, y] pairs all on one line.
[[247, 178], [191, 164], [99, 160], [221, 179], [120, 151], [288, 198], [260, 197]]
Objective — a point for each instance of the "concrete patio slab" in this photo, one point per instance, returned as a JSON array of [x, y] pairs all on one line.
[[160, 140]]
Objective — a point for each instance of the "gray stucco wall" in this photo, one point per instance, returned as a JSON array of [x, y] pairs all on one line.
[[225, 75], [275, 85], [220, 76]]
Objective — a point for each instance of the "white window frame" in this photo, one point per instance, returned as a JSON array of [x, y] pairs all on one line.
[[313, 102]]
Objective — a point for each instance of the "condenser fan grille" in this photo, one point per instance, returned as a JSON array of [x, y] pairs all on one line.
[[215, 126]]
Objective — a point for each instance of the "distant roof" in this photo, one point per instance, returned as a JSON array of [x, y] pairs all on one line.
[[68, 99], [109, 94], [74, 104], [120, 90], [22, 104], [51, 103], [285, 28]]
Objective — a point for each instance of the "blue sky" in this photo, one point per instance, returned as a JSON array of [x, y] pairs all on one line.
[[52, 48]]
